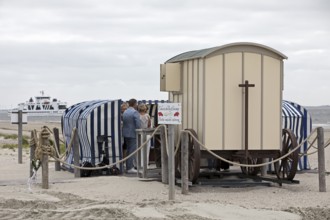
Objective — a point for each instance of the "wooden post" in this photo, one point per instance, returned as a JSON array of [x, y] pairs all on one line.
[[57, 146], [20, 135], [164, 158], [171, 173], [32, 152], [321, 159], [184, 164], [45, 175], [76, 157], [264, 168], [144, 155], [138, 154], [44, 136]]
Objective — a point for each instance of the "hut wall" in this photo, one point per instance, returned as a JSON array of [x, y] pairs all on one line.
[[191, 96], [213, 104]]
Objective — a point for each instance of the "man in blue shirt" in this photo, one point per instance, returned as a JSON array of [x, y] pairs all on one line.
[[131, 121]]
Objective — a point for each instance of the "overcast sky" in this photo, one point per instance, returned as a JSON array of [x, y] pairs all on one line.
[[79, 50]]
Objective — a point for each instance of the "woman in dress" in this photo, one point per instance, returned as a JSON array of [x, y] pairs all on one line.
[[145, 123]]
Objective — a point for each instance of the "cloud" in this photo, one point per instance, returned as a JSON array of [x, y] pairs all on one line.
[[83, 49]]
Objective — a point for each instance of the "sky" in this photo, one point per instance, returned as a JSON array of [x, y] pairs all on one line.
[[79, 50]]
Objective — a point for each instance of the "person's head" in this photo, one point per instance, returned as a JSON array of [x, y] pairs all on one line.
[[124, 106], [132, 103], [142, 108]]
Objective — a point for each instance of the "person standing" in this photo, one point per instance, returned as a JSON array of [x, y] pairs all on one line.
[[131, 122], [144, 116], [123, 108], [145, 123]]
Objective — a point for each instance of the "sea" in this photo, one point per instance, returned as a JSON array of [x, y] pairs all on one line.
[[4, 116], [320, 116]]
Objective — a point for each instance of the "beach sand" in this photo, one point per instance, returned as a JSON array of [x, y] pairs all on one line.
[[129, 197]]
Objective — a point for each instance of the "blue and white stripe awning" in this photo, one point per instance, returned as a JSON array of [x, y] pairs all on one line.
[[296, 118], [93, 119]]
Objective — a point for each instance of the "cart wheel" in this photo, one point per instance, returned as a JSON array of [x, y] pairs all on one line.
[[193, 160], [252, 171], [287, 167]]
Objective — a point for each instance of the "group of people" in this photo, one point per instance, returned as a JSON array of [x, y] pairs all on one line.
[[134, 117]]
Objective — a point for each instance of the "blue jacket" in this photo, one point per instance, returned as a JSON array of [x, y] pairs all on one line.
[[131, 121]]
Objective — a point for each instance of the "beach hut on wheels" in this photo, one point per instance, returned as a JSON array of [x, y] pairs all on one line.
[[231, 98], [98, 124]]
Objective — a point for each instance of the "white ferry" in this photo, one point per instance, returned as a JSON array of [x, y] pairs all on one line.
[[42, 105]]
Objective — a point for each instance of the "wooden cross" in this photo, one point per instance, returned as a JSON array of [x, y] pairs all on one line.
[[246, 85]]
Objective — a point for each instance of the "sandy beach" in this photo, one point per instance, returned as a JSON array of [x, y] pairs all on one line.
[[129, 197]]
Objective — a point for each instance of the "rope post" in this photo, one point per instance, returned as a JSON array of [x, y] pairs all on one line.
[[264, 168], [184, 163], [44, 137], [164, 158], [57, 145], [321, 159], [20, 135], [144, 155], [76, 154], [138, 154], [32, 152], [171, 174]]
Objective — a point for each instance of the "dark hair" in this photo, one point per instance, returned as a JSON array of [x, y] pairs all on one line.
[[132, 102]]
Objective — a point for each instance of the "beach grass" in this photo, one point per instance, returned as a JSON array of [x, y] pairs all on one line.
[[25, 141], [12, 136]]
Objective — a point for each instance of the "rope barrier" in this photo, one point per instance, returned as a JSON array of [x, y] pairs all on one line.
[[314, 152], [248, 165], [117, 162], [48, 150], [40, 149], [53, 133], [69, 148]]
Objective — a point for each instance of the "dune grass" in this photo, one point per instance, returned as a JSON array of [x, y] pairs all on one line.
[[25, 141]]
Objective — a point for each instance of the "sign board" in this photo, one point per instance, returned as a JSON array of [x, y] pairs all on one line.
[[169, 113], [14, 117]]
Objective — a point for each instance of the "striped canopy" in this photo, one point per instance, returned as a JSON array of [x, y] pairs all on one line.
[[99, 128], [296, 118]]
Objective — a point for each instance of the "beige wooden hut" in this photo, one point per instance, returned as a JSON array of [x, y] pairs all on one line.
[[206, 83]]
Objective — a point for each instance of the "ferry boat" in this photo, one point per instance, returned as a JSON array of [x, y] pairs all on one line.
[[42, 105]]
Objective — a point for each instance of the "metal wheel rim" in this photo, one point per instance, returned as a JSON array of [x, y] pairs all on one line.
[[287, 167]]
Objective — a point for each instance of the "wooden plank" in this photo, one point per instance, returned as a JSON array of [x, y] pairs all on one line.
[[57, 146], [76, 156], [171, 173], [184, 164], [164, 158], [32, 152], [321, 159], [20, 135]]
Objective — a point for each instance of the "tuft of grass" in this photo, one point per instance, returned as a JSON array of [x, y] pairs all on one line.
[[25, 142], [12, 136], [62, 148], [9, 136], [10, 146]]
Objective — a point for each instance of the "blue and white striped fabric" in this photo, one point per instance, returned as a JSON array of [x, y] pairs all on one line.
[[93, 119], [296, 118]]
